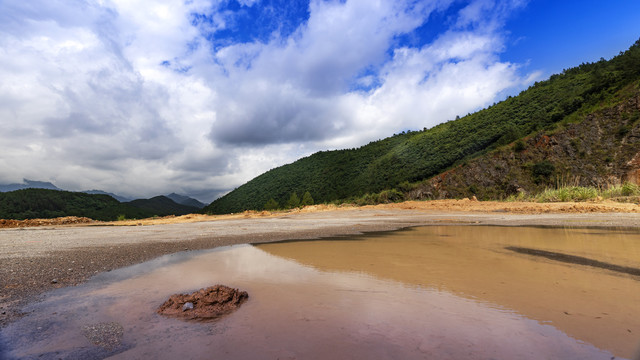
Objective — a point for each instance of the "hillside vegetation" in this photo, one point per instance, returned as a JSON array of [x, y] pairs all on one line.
[[596, 156], [394, 167], [43, 203], [46, 204]]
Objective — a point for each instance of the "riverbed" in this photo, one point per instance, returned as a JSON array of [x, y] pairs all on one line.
[[436, 292]]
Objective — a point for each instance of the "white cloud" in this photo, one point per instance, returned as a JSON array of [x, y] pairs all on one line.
[[132, 97]]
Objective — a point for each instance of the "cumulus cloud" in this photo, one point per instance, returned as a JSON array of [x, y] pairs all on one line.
[[146, 97]]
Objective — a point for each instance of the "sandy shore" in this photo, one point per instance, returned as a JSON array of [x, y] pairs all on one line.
[[37, 259]]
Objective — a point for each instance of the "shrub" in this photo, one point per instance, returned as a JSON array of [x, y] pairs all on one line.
[[542, 171], [271, 205], [368, 199], [306, 199], [629, 189], [405, 186], [294, 201], [393, 195]]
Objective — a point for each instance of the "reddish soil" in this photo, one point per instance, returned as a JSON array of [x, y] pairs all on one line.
[[204, 304], [464, 205], [69, 220]]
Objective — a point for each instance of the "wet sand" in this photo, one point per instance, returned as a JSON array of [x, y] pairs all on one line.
[[35, 260], [294, 311], [595, 305]]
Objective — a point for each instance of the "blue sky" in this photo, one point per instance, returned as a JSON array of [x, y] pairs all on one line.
[[554, 35], [145, 97]]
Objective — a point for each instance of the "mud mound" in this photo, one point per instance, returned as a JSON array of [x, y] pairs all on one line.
[[68, 220], [204, 304]]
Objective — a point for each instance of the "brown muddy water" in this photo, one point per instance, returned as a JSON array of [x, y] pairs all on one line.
[[438, 292]]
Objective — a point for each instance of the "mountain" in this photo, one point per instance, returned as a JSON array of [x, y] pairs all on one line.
[[100, 192], [397, 165], [598, 148], [185, 200], [162, 206], [31, 184], [45, 203], [28, 184]]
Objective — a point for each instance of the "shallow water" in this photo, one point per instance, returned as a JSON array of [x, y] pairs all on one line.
[[436, 292]]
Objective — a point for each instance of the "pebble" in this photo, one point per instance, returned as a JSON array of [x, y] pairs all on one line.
[[187, 306], [105, 335]]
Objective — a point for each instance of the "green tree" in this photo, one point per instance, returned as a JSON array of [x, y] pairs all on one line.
[[271, 205], [294, 201], [306, 199], [542, 171]]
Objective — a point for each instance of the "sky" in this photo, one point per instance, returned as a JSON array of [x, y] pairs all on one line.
[[148, 97]]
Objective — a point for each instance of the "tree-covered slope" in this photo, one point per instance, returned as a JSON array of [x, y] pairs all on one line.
[[42, 203], [598, 149], [419, 155]]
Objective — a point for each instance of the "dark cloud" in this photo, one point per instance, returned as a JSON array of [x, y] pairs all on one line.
[[274, 120], [193, 166], [75, 123]]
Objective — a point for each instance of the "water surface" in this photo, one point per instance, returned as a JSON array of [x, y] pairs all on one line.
[[440, 292]]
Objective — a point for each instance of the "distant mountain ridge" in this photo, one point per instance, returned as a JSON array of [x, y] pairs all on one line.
[[45, 203], [38, 199], [100, 192], [32, 184], [185, 200], [162, 206], [389, 169], [28, 184]]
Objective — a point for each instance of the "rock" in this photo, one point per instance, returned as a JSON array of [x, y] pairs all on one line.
[[54, 281], [204, 304]]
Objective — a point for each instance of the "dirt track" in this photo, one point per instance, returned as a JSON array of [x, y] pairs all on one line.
[[37, 259]]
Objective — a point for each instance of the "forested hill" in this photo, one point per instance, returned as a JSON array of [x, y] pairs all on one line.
[[420, 155], [44, 203]]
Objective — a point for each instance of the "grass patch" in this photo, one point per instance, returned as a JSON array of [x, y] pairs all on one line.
[[626, 189], [580, 193], [570, 193]]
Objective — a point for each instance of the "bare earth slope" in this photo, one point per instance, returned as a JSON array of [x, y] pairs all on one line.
[[37, 259]]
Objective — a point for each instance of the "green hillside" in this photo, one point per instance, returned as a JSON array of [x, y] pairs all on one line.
[[162, 206], [420, 155], [42, 203]]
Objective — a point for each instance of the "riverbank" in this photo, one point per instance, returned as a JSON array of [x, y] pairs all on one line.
[[38, 259]]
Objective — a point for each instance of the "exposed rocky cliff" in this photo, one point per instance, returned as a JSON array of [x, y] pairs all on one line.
[[599, 148]]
